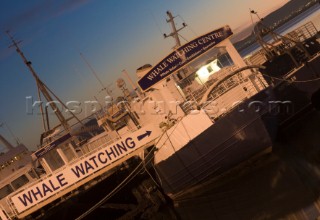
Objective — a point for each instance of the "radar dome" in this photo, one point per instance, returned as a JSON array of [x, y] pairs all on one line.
[[121, 83]]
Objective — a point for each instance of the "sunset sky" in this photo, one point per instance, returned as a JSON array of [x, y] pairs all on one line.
[[112, 34]]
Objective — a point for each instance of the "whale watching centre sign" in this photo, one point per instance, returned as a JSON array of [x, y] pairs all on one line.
[[183, 55]]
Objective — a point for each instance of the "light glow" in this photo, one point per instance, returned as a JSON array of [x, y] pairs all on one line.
[[206, 71]]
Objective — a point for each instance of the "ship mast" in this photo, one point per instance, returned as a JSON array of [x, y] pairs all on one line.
[[175, 34], [175, 31], [43, 89]]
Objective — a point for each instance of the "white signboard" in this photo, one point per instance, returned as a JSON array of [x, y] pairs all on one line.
[[78, 171]]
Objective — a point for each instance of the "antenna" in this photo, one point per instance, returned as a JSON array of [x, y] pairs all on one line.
[[104, 88], [256, 13]]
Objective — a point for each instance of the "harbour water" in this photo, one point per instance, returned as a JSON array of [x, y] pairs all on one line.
[[311, 14]]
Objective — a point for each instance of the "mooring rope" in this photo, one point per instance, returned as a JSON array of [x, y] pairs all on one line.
[[134, 173]]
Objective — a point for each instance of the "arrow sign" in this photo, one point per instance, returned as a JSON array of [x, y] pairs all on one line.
[[147, 134]]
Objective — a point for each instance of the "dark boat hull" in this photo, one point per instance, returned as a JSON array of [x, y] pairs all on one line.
[[239, 135], [300, 89], [234, 138]]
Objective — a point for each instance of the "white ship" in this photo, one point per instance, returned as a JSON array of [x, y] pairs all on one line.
[[191, 123]]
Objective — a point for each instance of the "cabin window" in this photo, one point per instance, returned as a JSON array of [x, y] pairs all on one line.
[[6, 190], [32, 174], [19, 182], [54, 160], [68, 152]]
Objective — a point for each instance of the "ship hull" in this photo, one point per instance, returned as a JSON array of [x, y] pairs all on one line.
[[242, 133], [300, 90], [234, 138]]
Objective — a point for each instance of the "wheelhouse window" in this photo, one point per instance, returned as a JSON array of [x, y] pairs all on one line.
[[5, 191], [33, 174], [19, 182], [68, 152], [54, 160]]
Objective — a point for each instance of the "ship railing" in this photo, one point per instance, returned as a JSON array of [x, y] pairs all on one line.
[[101, 113], [290, 40], [13, 212], [89, 147], [228, 84], [103, 141], [195, 94], [109, 137], [95, 146], [76, 159], [257, 58], [231, 92], [62, 132], [224, 102], [10, 210], [303, 32], [218, 92]]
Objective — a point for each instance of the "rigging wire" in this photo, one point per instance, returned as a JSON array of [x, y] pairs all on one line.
[[156, 172], [134, 173], [292, 81], [145, 168], [194, 33], [188, 26], [183, 38], [157, 24]]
